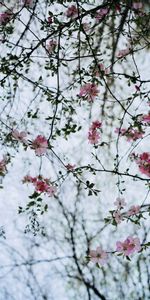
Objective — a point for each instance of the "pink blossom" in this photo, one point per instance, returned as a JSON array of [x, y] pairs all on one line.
[[42, 185], [19, 136], [137, 5], [146, 118], [95, 125], [133, 210], [120, 203], [28, 3], [28, 178], [40, 145], [143, 162], [117, 216], [51, 46], [103, 69], [5, 18], [89, 91], [86, 26], [70, 167], [129, 246], [131, 134], [93, 134], [71, 12], [98, 256], [123, 52], [93, 137], [101, 13], [3, 163], [121, 131], [51, 190], [49, 20]]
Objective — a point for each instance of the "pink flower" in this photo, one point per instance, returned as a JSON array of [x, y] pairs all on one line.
[[28, 178], [93, 134], [51, 191], [98, 256], [40, 145], [42, 185], [120, 203], [101, 67], [131, 134], [71, 12], [70, 167], [120, 131], [51, 46], [133, 210], [86, 26], [95, 125], [49, 20], [93, 137], [129, 246], [143, 162], [28, 3], [101, 13], [123, 52], [89, 91], [146, 118], [3, 163], [137, 5], [19, 136], [5, 18], [117, 216]]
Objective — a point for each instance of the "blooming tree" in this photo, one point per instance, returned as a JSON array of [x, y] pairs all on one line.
[[75, 114]]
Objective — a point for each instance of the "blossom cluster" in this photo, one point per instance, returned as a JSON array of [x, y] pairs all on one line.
[[131, 134], [89, 91], [101, 13], [51, 46], [145, 119], [5, 18], [42, 185], [40, 144], [71, 12], [129, 246], [118, 215], [143, 161], [93, 134], [122, 53], [103, 70]]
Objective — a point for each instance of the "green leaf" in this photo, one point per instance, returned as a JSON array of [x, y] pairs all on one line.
[[31, 203], [34, 195]]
